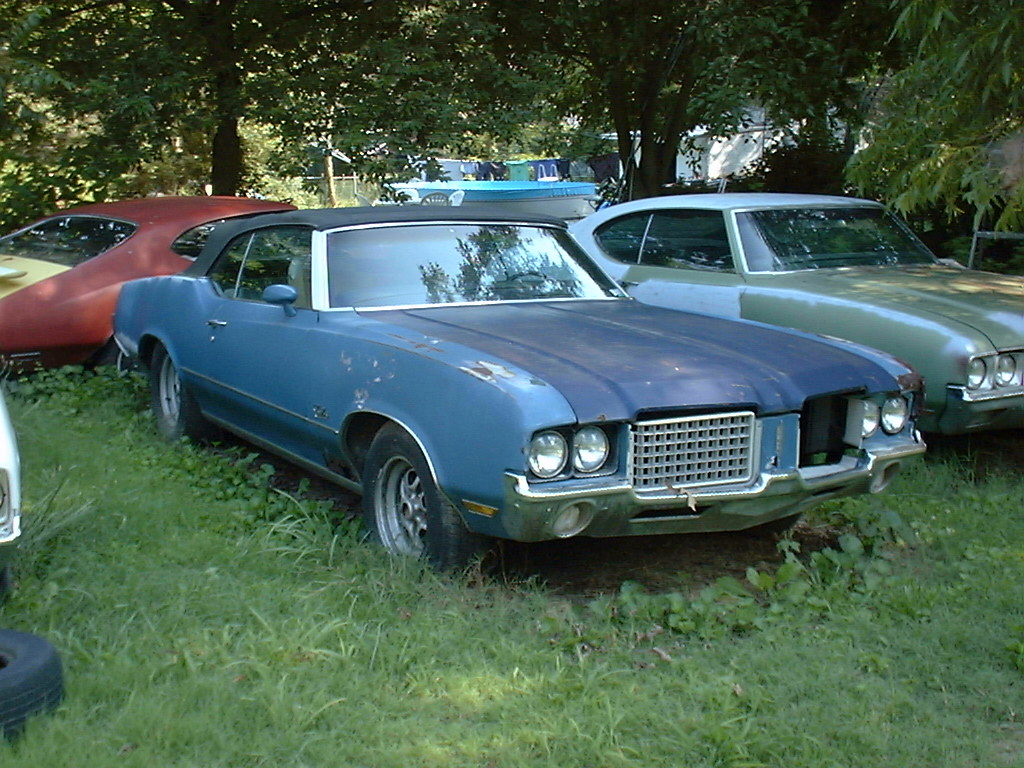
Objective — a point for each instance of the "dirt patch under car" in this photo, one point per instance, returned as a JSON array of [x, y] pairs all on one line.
[[586, 566]]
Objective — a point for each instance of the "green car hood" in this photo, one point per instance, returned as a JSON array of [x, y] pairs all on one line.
[[990, 304]]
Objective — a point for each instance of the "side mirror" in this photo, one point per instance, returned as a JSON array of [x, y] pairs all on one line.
[[282, 295]]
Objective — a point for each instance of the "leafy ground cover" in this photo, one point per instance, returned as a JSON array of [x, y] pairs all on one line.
[[211, 611]]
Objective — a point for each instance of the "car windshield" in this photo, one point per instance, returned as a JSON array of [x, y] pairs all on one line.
[[456, 263], [786, 239]]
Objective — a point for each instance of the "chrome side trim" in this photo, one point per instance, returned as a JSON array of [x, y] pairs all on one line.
[[311, 466], [259, 400]]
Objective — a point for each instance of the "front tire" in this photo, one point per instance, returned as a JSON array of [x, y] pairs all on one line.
[[176, 411], [406, 512]]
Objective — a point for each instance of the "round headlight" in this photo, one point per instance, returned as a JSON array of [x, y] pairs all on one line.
[[870, 419], [894, 415], [548, 452], [975, 373], [589, 449], [1006, 369]]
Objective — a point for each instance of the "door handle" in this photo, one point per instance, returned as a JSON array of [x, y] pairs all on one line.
[[216, 323]]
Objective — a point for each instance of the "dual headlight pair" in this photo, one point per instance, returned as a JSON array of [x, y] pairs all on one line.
[[1003, 370], [551, 452], [892, 416], [589, 448]]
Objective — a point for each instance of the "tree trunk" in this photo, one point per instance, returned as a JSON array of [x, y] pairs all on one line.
[[227, 165], [651, 163], [648, 140], [221, 55]]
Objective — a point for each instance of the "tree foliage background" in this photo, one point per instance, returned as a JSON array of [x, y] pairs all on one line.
[[656, 74], [109, 98], [949, 130]]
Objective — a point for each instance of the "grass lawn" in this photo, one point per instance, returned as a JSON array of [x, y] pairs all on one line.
[[206, 619]]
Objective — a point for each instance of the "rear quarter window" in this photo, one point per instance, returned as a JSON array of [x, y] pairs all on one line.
[[67, 240]]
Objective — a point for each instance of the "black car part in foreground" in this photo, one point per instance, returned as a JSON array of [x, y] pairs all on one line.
[[31, 679]]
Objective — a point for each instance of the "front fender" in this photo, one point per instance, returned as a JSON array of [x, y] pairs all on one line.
[[472, 417], [939, 351]]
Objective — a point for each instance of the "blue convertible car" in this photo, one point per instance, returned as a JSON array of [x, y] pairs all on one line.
[[475, 375]]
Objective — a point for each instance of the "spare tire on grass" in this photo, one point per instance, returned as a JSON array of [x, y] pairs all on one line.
[[31, 679]]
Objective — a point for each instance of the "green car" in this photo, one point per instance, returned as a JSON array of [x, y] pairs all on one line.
[[837, 266]]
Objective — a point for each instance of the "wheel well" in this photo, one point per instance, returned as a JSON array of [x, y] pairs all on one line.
[[147, 344], [105, 355], [357, 435]]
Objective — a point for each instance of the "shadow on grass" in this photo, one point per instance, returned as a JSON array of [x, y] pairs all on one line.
[[589, 567]]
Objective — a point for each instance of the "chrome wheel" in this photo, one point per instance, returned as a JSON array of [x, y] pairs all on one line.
[[177, 413], [400, 508], [168, 392], [406, 512]]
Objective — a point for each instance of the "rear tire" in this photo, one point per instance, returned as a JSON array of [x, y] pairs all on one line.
[[176, 411], [406, 512]]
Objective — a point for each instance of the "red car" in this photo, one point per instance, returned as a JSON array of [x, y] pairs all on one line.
[[60, 277]]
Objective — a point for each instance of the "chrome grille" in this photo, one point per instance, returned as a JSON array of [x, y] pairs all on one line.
[[696, 451]]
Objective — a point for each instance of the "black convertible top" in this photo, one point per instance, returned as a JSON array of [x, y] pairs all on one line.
[[331, 218]]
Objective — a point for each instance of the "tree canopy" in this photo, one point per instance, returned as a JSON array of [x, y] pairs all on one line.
[[98, 93], [666, 67], [949, 131], [107, 98], [130, 81]]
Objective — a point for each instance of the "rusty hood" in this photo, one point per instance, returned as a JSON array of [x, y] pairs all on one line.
[[615, 359]]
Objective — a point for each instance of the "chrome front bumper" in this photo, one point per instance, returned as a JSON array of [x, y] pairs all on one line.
[[968, 412], [534, 513]]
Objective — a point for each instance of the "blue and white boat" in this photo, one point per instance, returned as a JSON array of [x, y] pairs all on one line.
[[564, 199]]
